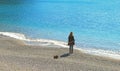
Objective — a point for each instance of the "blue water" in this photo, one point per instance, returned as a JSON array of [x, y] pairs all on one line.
[[95, 23]]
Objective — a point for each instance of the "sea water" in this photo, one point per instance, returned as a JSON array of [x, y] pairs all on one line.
[[95, 23]]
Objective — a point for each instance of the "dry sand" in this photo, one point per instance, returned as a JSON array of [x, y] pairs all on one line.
[[16, 56]]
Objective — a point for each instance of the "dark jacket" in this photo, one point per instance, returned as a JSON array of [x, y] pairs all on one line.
[[71, 40]]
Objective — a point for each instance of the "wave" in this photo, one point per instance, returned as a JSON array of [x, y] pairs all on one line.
[[14, 35], [42, 42], [46, 42], [101, 52]]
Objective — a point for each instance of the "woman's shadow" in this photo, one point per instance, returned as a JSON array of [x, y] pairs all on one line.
[[65, 55]]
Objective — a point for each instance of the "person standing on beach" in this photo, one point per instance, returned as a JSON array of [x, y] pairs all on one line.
[[71, 42]]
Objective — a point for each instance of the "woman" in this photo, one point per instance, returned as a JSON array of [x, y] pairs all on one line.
[[71, 42]]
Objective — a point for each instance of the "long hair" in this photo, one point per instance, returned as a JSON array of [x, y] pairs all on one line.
[[71, 34], [71, 40]]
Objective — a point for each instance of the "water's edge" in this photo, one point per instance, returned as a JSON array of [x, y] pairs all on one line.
[[54, 43]]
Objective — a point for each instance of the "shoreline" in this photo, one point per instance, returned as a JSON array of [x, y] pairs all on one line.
[[15, 55], [58, 44]]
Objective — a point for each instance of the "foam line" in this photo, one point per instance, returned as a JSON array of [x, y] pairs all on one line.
[[22, 37], [100, 52], [14, 35]]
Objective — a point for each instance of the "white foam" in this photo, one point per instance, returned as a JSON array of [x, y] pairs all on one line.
[[14, 35], [48, 42], [41, 41], [100, 52]]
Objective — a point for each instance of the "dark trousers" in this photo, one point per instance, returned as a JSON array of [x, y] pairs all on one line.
[[71, 49]]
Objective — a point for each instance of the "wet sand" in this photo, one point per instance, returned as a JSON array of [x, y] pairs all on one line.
[[16, 56]]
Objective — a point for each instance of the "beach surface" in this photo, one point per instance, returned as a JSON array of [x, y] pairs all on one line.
[[15, 55]]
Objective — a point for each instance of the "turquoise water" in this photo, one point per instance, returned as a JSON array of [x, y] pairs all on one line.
[[96, 23]]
